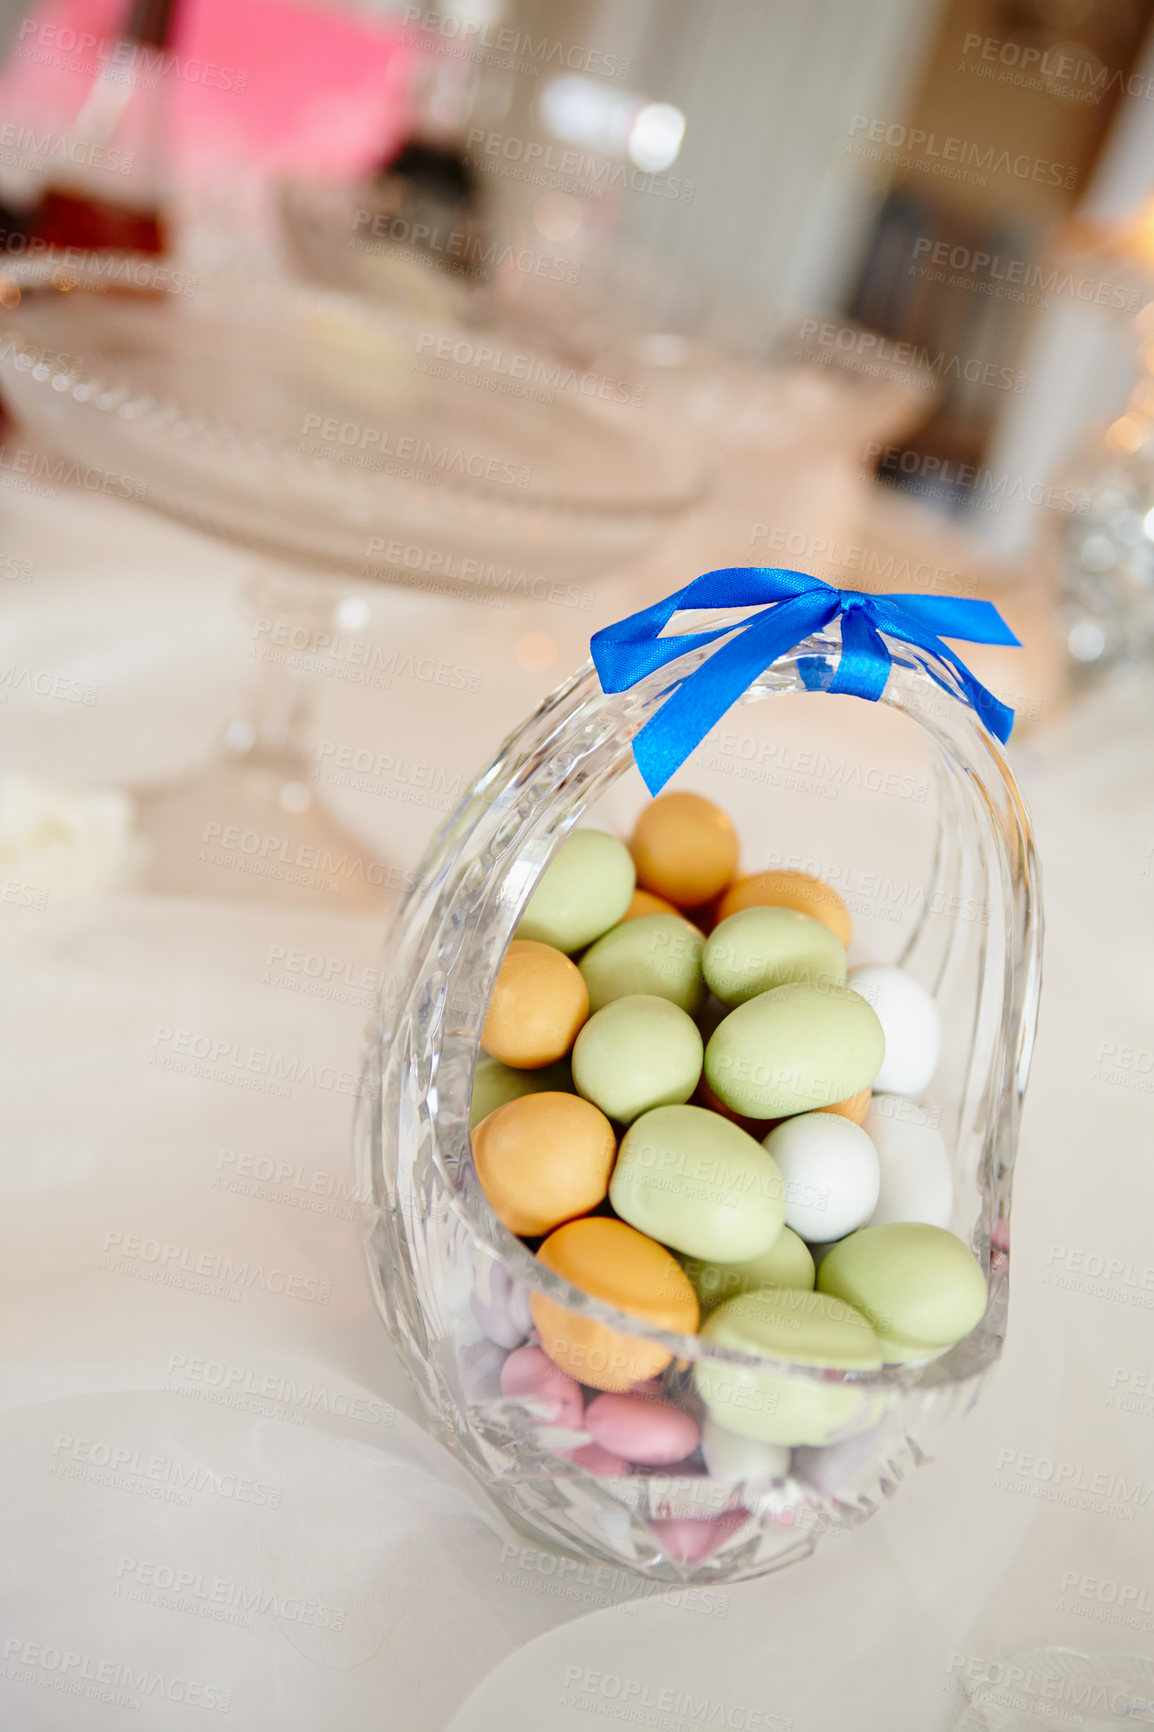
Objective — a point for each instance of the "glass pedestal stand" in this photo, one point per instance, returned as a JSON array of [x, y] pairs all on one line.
[[251, 825]]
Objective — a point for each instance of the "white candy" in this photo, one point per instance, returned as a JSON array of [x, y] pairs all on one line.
[[831, 1174], [499, 1306], [917, 1184], [910, 1023], [481, 1363], [728, 1456]]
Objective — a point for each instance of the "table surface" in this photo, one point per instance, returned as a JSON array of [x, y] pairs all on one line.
[[218, 1497]]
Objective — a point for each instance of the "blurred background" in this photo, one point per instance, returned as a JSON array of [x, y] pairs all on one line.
[[357, 361]]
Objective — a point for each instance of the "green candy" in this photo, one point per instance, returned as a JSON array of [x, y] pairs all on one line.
[[794, 1050], [495, 1083], [656, 954], [920, 1286], [807, 1329], [760, 948], [638, 1053], [584, 890], [695, 1182], [787, 1263]]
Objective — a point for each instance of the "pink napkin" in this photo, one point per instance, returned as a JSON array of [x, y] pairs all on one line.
[[56, 53], [287, 86], [263, 83]]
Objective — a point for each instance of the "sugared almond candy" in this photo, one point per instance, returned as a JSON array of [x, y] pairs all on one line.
[[685, 849], [539, 1004], [783, 889]]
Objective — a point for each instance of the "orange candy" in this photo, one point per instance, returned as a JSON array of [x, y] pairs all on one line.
[[855, 1108], [539, 1004], [613, 1262], [644, 902], [757, 1128], [789, 890], [543, 1159], [685, 849]]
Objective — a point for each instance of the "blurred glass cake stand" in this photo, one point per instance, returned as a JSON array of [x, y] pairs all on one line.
[[585, 291], [346, 444]]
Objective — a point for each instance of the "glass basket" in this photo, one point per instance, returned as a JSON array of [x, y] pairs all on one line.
[[912, 788]]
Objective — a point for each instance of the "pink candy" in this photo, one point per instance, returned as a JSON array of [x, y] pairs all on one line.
[[531, 1374], [688, 1539], [598, 1461], [651, 1433]]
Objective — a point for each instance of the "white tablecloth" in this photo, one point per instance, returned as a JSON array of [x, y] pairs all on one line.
[[219, 1503]]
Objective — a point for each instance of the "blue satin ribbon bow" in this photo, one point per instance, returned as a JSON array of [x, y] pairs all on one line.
[[798, 606]]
